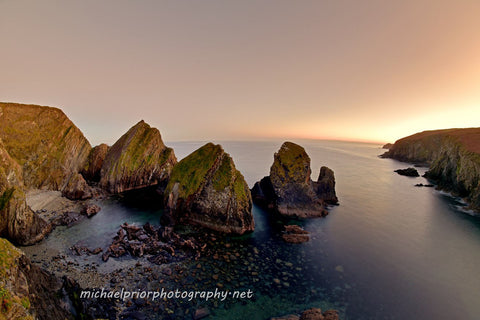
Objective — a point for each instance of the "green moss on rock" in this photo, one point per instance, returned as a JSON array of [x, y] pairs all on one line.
[[205, 188], [138, 159]]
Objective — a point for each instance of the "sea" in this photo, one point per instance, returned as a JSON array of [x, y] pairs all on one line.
[[389, 250]]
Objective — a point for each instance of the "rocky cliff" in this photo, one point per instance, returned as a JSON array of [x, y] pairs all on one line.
[[289, 190], [206, 189], [138, 159], [453, 157], [17, 221], [92, 168], [49, 148], [27, 292]]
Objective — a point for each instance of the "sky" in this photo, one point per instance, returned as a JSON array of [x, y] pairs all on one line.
[[369, 70]]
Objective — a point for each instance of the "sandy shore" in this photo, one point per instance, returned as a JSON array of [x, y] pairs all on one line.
[[50, 204]]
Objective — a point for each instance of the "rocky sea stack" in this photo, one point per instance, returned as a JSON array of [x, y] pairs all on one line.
[[453, 157], [290, 191], [138, 159], [206, 189]]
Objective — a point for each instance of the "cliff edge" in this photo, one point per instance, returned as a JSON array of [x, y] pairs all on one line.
[[453, 157]]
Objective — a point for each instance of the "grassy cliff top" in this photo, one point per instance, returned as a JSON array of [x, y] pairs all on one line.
[[191, 171], [468, 137]]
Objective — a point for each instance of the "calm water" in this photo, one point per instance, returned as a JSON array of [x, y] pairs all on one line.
[[389, 251]]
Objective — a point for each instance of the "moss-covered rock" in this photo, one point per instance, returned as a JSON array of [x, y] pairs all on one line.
[[453, 156], [206, 189], [44, 142], [289, 190], [27, 292], [138, 159]]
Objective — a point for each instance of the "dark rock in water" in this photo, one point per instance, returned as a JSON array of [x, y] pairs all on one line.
[[409, 172], [289, 190], [206, 189], [295, 234], [387, 146], [91, 210], [201, 313], [138, 159], [325, 186], [424, 185]]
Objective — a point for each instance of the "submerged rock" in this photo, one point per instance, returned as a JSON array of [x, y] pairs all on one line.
[[206, 189], [295, 234], [289, 190], [138, 159], [409, 172]]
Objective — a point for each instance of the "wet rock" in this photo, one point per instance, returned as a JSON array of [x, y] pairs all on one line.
[[409, 172], [289, 190], [91, 209], [312, 314], [295, 234], [201, 313]]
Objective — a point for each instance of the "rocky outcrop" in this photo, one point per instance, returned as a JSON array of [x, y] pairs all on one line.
[[206, 189], [453, 157], [409, 172], [93, 166], [138, 159], [290, 191], [17, 221], [26, 291], [49, 148], [295, 234]]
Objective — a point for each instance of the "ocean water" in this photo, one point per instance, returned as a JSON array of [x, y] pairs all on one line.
[[390, 250]]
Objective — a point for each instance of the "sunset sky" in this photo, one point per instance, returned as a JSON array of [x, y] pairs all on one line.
[[223, 70]]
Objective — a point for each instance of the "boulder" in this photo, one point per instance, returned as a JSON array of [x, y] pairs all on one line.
[[290, 191], [206, 189], [295, 234], [138, 159], [77, 188]]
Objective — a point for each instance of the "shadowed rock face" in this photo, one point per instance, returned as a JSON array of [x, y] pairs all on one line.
[[206, 189], [30, 292], [17, 221], [453, 156], [289, 190], [91, 170], [138, 159]]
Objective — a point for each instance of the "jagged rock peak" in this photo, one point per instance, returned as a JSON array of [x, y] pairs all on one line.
[[138, 159], [289, 190], [206, 189]]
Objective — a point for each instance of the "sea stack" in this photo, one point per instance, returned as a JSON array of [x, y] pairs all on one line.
[[206, 189], [138, 159], [289, 190]]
